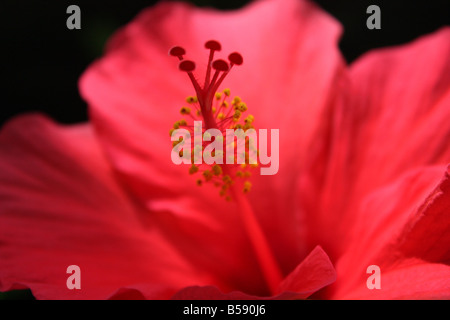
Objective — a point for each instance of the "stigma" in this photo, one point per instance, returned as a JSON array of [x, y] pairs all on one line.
[[215, 109]]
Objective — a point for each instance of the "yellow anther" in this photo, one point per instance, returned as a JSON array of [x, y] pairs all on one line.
[[247, 174], [217, 170], [242, 106], [208, 175], [185, 110], [249, 119], [247, 186], [236, 116], [177, 142], [227, 179], [218, 105], [193, 169], [191, 99]]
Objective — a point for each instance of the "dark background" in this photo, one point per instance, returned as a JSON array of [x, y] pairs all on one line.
[[42, 59]]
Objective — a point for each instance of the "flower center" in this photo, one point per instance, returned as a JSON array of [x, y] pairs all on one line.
[[221, 113], [218, 111]]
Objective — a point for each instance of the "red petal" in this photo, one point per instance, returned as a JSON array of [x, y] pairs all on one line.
[[312, 274], [213, 293], [391, 117], [210, 293], [397, 226], [434, 216], [412, 279], [142, 292], [60, 205]]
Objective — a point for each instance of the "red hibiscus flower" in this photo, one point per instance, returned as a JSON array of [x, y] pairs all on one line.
[[362, 171]]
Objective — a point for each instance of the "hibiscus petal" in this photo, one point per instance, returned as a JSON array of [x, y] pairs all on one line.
[[312, 274], [142, 291], [391, 117], [402, 99], [434, 216], [413, 279], [60, 205], [136, 90], [210, 293], [401, 228]]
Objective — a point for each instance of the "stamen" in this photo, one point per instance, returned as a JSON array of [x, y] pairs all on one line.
[[247, 186], [191, 99], [177, 52], [213, 46], [193, 169], [235, 58], [212, 106], [187, 65], [220, 65]]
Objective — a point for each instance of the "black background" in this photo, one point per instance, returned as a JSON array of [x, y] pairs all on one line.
[[42, 59]]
